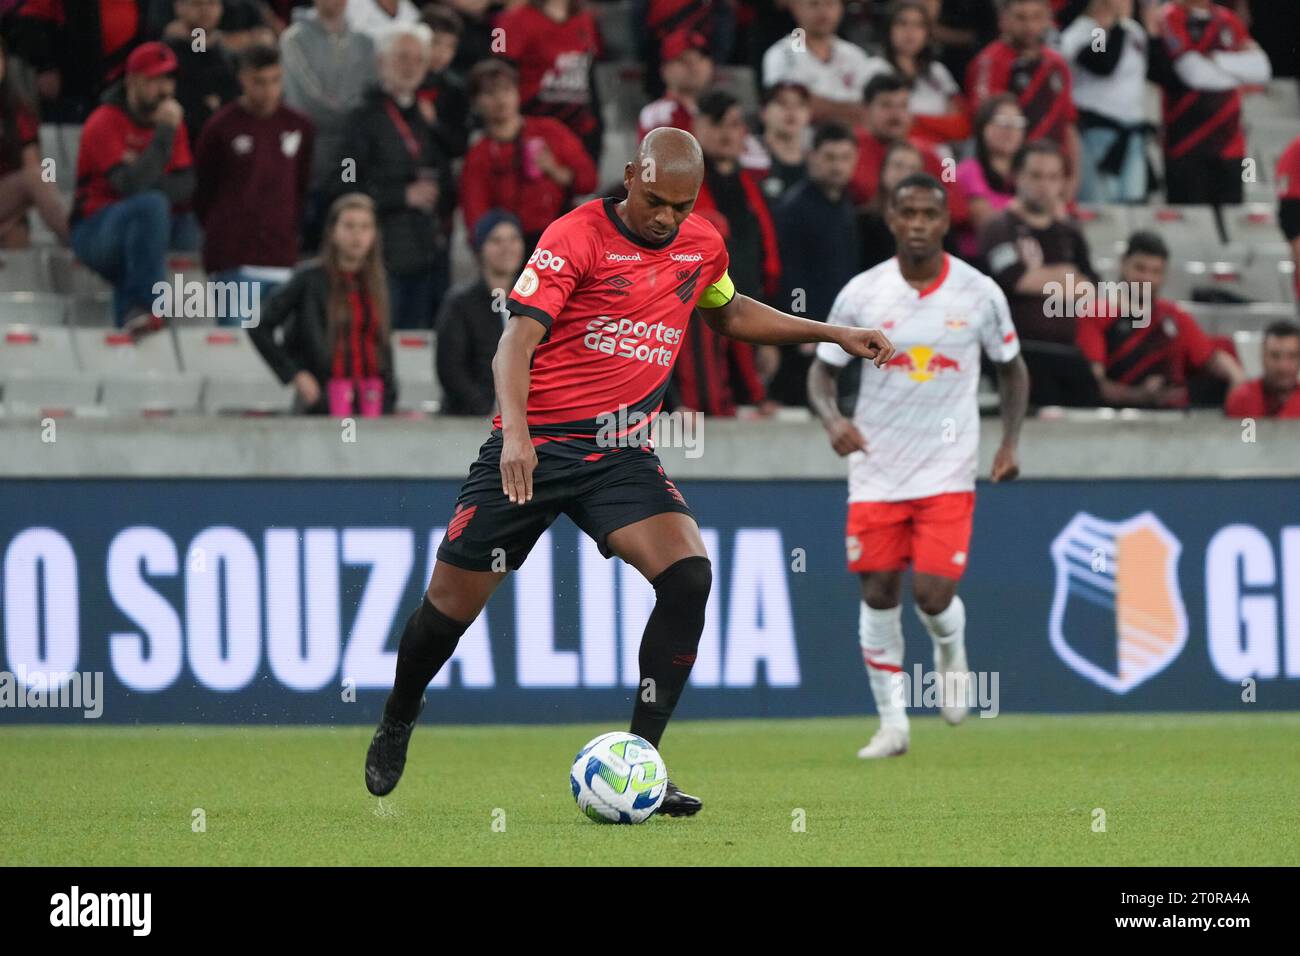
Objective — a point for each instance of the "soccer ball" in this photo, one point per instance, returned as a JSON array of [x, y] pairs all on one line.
[[618, 778]]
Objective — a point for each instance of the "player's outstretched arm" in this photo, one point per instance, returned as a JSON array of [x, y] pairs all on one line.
[[823, 394], [510, 373], [1013, 395], [751, 321]]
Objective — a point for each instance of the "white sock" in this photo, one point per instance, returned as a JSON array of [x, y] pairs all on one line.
[[948, 626], [880, 632]]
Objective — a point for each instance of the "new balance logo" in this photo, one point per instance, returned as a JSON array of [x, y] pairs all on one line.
[[459, 521]]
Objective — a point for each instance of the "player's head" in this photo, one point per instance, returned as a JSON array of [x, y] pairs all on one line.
[[1039, 170], [889, 114], [1280, 357], [686, 63], [1025, 22], [721, 127], [662, 182], [1145, 260], [787, 109], [817, 18], [494, 90], [833, 158], [917, 215], [261, 78]]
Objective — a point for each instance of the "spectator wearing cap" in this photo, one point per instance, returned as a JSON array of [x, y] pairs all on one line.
[[889, 121], [205, 71], [687, 71], [473, 317], [817, 227], [328, 67], [531, 166], [443, 87], [252, 165], [134, 171], [401, 164], [787, 136], [376, 17], [1275, 394], [833, 69], [78, 49], [714, 20], [554, 45], [1150, 353]]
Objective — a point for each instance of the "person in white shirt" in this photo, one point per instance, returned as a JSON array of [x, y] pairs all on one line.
[[1108, 51], [939, 109], [912, 443], [834, 70], [373, 17]]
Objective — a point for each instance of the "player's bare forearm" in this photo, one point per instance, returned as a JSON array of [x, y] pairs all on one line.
[[1013, 395], [510, 373], [823, 381], [749, 320]]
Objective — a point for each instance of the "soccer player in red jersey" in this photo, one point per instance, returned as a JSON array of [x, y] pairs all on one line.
[[1022, 63], [596, 321]]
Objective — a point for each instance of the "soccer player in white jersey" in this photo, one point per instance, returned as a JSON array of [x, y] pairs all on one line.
[[913, 440]]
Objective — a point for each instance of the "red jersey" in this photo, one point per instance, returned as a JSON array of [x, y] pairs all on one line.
[[109, 139], [1288, 172], [1171, 345], [1249, 400], [497, 174], [1206, 122], [554, 61], [1041, 84], [866, 176], [20, 129], [615, 308]]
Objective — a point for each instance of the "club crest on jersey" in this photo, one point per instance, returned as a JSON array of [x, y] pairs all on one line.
[[922, 363], [526, 284], [1117, 617]]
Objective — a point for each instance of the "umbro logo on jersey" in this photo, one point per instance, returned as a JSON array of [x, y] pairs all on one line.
[[618, 284]]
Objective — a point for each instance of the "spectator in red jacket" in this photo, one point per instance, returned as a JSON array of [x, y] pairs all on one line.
[[1276, 394], [21, 184], [134, 173], [889, 120], [555, 44], [1146, 353], [252, 166], [687, 70], [531, 166], [1022, 63]]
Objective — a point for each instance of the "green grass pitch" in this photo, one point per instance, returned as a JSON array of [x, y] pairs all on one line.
[[1176, 789]]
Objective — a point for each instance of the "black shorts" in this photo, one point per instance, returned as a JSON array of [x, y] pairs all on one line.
[[619, 488]]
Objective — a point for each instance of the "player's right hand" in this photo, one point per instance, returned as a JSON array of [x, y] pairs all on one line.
[[845, 437], [518, 459]]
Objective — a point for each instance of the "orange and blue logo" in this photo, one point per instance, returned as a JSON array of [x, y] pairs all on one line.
[[923, 363], [1118, 617]]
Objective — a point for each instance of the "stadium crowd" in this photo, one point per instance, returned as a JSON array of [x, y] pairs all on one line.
[[334, 153]]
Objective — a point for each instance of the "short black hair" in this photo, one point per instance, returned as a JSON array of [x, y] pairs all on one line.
[[442, 19], [882, 83], [1037, 147], [1282, 329], [715, 103], [919, 181], [486, 71], [832, 133], [1146, 243], [258, 57]]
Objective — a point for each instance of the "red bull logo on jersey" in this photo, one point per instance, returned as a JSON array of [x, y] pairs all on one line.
[[923, 363], [1118, 617]]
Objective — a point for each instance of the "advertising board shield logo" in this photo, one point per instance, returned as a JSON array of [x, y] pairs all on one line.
[[1118, 617]]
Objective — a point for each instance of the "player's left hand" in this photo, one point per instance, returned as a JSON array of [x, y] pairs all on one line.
[[1005, 466], [868, 344]]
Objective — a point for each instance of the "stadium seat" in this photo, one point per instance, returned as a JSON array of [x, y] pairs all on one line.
[[1189, 224], [741, 83], [69, 276], [619, 88], [1254, 223], [33, 308], [60, 143], [52, 396], [234, 376], [1105, 227], [39, 372], [1266, 140], [418, 388], [143, 377], [91, 311], [617, 28], [23, 270], [1247, 343]]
